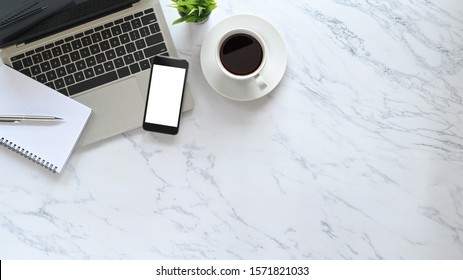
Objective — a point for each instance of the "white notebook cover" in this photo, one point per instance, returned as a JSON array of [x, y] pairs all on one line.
[[46, 143]]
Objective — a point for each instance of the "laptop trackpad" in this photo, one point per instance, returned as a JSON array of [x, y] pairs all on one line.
[[117, 108]]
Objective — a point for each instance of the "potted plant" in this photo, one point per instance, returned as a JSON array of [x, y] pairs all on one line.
[[197, 11]]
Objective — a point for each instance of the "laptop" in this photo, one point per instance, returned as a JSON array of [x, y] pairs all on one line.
[[97, 52]]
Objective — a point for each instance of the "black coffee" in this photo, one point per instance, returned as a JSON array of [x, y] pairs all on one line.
[[241, 54]]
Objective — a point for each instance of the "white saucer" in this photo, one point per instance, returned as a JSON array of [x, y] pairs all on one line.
[[272, 72]]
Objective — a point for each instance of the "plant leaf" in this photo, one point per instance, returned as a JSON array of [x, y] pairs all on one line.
[[193, 10]]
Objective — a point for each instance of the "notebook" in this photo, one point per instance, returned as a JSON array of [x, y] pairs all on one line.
[[48, 144]]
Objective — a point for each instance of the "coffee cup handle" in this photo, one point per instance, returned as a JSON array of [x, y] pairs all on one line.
[[260, 81]]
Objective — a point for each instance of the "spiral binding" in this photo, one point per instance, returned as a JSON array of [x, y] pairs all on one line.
[[31, 156]]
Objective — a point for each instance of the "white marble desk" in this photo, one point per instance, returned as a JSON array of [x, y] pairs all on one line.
[[357, 154]]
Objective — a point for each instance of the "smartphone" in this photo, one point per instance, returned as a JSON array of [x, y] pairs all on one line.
[[165, 95]]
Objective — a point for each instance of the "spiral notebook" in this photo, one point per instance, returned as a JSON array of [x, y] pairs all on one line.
[[48, 144]]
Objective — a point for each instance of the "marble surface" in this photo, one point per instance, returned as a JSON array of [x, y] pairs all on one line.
[[357, 154]]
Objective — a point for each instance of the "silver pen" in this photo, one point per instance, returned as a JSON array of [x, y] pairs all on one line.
[[19, 118]]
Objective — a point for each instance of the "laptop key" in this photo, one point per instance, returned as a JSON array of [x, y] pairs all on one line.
[[47, 55], [120, 51], [96, 38], [94, 49], [55, 63], [75, 56], [135, 68], [129, 59], [65, 59], [91, 83], [144, 31], [18, 57], [154, 39], [118, 62], [27, 62], [86, 41], [123, 72], [41, 78], [124, 38], [138, 56], [80, 65], [18, 65], [98, 69], [59, 83], [76, 44], [114, 42], [37, 58], [89, 73], [36, 70], [136, 23], [150, 10], [134, 35], [130, 47], [145, 64], [56, 51], [45, 66], [150, 18], [106, 34], [66, 48], [104, 46], [91, 61], [126, 27], [51, 75], [79, 76], [140, 44], [108, 66], [100, 58], [69, 80], [116, 30], [154, 50], [85, 52], [60, 72], [111, 54], [71, 68]]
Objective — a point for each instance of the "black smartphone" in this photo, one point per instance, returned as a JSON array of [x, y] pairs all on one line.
[[165, 95]]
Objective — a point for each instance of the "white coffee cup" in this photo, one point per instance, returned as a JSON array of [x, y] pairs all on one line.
[[244, 49]]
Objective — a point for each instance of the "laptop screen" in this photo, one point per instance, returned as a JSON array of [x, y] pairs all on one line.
[[28, 20]]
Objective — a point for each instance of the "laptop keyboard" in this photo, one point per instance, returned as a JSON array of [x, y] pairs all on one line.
[[97, 56]]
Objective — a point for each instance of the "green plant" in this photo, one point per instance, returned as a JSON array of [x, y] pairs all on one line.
[[193, 10]]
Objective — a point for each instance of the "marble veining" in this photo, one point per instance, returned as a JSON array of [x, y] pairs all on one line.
[[357, 154]]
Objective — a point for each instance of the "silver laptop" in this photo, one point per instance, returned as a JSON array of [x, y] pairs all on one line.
[[99, 54]]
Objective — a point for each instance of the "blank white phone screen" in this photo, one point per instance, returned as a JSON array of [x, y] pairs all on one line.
[[165, 95]]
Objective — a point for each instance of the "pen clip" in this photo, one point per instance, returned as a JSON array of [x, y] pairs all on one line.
[[9, 121]]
